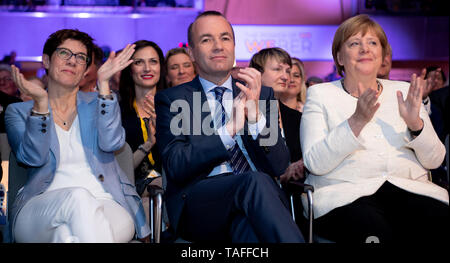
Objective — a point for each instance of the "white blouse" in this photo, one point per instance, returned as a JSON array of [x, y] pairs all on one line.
[[74, 169], [344, 167]]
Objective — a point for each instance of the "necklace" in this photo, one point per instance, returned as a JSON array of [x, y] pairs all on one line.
[[379, 88], [59, 117]]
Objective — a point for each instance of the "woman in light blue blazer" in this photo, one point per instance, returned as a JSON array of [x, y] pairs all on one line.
[[75, 190]]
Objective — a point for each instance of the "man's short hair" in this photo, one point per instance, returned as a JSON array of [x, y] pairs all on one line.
[[203, 14]]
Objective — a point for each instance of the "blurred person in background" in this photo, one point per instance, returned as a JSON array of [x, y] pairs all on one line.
[[275, 65], [312, 81], [437, 100], [115, 80], [386, 65], [7, 85], [89, 81], [295, 95], [180, 68], [8, 93]]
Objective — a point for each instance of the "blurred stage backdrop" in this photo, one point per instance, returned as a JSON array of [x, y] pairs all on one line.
[[417, 30]]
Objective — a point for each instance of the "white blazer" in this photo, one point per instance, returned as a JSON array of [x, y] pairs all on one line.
[[344, 167]]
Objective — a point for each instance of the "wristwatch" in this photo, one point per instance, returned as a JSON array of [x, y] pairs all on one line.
[[142, 149], [39, 114], [415, 133], [106, 97]]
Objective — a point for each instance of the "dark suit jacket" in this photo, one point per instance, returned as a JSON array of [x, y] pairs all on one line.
[[440, 100], [190, 156]]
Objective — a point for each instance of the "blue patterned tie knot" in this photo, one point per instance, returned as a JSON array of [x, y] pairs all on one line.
[[220, 116]]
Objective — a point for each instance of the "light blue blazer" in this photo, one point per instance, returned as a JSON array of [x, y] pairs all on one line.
[[34, 141]]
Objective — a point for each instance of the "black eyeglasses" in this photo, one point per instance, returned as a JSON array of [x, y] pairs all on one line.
[[66, 54], [6, 79]]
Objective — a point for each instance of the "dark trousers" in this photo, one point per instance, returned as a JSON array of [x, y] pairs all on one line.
[[390, 215], [249, 207]]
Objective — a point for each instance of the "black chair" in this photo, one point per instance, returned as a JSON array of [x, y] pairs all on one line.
[[17, 177], [294, 189], [125, 159]]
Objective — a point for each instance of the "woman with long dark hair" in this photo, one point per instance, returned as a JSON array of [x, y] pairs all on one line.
[[139, 83]]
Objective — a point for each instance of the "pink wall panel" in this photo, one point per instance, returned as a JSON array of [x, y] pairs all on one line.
[[306, 12]]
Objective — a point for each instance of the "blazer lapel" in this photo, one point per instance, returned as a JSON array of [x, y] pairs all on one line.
[[87, 124], [203, 107]]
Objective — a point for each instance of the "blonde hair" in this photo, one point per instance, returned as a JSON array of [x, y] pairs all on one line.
[[351, 27], [302, 95]]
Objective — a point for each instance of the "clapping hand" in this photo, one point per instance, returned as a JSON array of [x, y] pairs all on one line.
[[151, 138], [410, 107], [294, 172], [151, 131], [366, 107], [432, 81], [237, 119], [113, 65], [149, 106], [36, 92], [252, 90]]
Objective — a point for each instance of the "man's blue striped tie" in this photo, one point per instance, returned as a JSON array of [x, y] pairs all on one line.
[[238, 162]]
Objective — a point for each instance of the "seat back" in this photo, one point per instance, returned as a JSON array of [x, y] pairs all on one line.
[[152, 204], [124, 157], [17, 177]]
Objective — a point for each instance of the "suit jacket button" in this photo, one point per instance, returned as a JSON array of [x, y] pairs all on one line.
[[44, 125], [44, 118], [103, 112], [266, 149], [43, 130], [101, 178], [103, 105]]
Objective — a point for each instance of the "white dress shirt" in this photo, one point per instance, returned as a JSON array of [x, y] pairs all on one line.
[[344, 167], [228, 141]]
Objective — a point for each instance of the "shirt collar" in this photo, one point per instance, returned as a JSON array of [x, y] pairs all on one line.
[[209, 86]]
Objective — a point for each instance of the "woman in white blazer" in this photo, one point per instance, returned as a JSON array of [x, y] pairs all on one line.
[[368, 144]]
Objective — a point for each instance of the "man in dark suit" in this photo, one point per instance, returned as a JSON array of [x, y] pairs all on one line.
[[220, 184]]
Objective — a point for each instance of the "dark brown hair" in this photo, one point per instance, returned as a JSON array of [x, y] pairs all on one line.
[[57, 38], [126, 84]]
